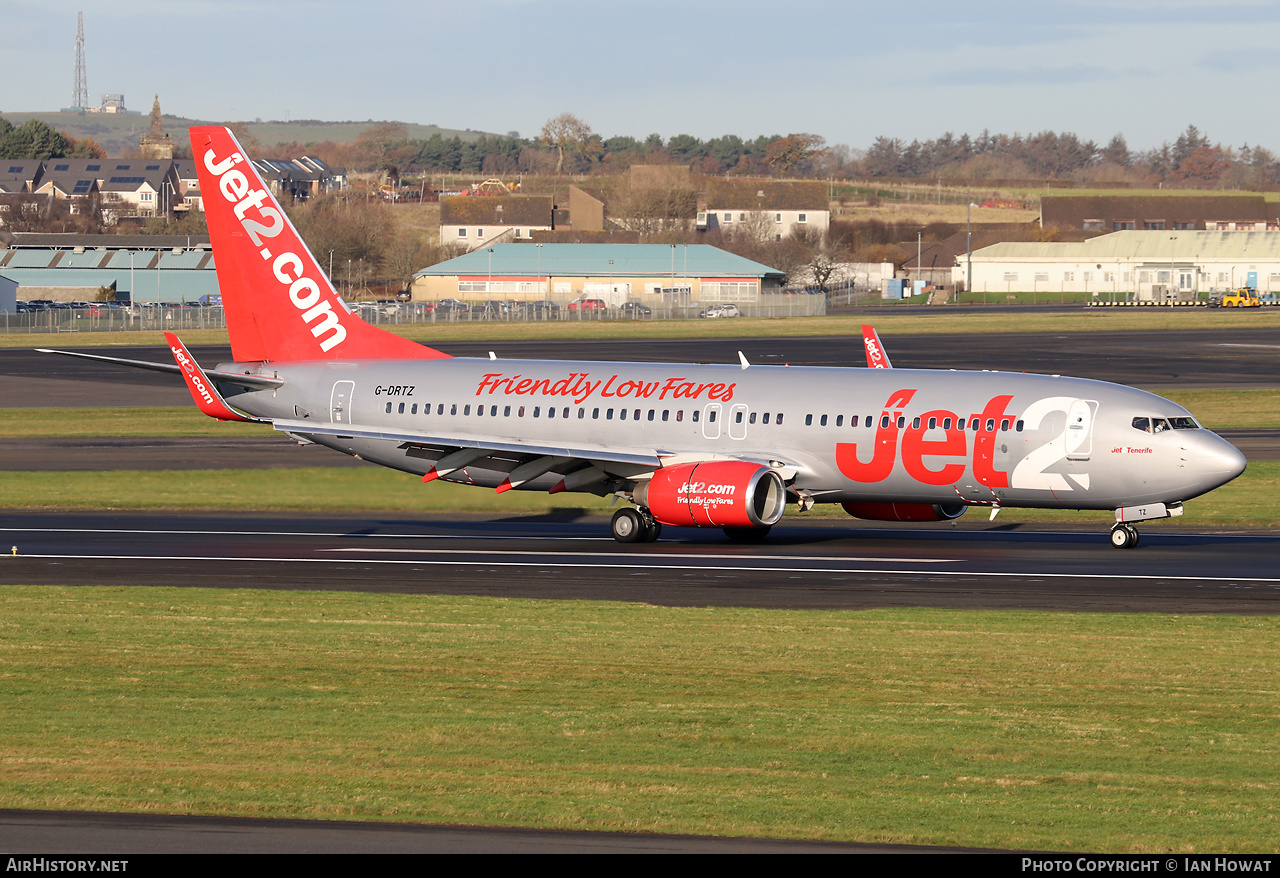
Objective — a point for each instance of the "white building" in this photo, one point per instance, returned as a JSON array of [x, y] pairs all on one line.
[[1153, 265]]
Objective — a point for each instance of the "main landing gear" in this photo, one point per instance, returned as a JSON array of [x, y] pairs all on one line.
[[1124, 536], [634, 526]]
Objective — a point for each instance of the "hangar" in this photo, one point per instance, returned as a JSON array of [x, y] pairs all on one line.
[[657, 275], [1143, 265]]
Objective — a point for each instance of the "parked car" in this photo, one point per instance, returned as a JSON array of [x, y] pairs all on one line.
[[545, 309], [635, 309], [588, 305], [721, 311]]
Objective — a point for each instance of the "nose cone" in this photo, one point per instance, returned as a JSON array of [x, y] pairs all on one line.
[[1216, 460]]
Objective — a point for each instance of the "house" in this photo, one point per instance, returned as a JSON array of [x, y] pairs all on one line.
[[766, 209], [478, 220]]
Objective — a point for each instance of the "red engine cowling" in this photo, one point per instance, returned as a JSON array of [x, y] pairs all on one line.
[[714, 493], [905, 511]]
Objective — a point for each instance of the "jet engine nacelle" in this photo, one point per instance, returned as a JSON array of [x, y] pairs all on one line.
[[905, 511], [715, 493]]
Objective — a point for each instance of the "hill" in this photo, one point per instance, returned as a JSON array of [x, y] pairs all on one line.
[[118, 133]]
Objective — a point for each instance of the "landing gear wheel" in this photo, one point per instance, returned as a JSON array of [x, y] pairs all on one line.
[[746, 534], [628, 526], [1124, 536], [652, 530]]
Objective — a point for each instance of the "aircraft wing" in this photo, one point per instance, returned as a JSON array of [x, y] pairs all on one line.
[[256, 382]]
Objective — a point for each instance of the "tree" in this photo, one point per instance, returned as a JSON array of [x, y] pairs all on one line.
[[787, 152], [32, 139], [569, 135]]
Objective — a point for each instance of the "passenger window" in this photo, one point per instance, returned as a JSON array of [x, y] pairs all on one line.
[[565, 413], [766, 417], [413, 409], [933, 422], [479, 411], [388, 408], [440, 410], [453, 409], [493, 411], [946, 423], [711, 416], [1004, 426], [901, 422], [752, 419], [991, 425], [1018, 426], [595, 414], [695, 415], [679, 415], [808, 420], [824, 420], [551, 412], [884, 422], [536, 410], [737, 418], [608, 415], [466, 410], [520, 412], [506, 412], [582, 413], [651, 411], [778, 419], [666, 413], [915, 424], [636, 415]]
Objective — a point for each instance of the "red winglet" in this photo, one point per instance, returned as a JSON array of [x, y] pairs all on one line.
[[430, 475], [203, 391], [876, 357], [504, 487]]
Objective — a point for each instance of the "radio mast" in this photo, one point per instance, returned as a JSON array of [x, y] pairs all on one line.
[[80, 97]]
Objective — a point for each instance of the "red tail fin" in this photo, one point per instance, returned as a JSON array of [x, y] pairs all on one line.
[[279, 304]]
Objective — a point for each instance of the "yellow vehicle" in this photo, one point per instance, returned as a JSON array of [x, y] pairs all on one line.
[[1245, 297]]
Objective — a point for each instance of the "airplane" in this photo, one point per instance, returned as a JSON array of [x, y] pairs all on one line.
[[705, 446]]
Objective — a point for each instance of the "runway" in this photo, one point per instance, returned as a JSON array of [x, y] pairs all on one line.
[[816, 565]]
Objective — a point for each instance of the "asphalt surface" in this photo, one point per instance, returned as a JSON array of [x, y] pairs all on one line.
[[816, 564]]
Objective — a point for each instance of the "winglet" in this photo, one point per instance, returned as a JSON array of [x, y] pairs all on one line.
[[203, 391], [876, 357]]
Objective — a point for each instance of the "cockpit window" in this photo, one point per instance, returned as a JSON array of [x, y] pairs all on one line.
[[1143, 424], [1184, 424], [1159, 425]]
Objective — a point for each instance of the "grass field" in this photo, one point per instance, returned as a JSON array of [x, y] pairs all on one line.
[[993, 729]]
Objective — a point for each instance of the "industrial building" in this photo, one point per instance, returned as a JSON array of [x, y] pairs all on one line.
[[1142, 265], [656, 275]]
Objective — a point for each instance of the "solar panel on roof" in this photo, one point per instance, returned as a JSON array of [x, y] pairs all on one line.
[[81, 186], [15, 169], [127, 180], [153, 167], [61, 167], [93, 167]]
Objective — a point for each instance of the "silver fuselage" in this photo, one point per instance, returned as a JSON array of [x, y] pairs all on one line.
[[838, 434]]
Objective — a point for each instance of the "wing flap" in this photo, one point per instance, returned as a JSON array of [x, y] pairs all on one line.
[[644, 458]]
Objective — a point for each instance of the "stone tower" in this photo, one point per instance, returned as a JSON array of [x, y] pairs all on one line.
[[155, 144]]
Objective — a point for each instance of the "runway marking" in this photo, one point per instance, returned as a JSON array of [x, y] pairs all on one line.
[[290, 533], [651, 555], [971, 574]]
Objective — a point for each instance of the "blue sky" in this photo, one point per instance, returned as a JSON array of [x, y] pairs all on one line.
[[848, 71]]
